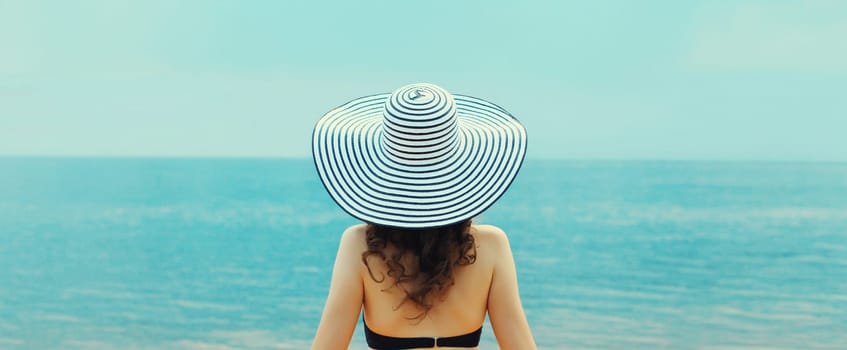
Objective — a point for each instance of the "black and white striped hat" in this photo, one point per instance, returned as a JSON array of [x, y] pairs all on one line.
[[418, 157]]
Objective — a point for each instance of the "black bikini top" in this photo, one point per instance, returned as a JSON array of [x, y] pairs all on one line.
[[382, 342]]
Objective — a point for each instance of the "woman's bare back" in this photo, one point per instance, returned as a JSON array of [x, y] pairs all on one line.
[[461, 310], [488, 285]]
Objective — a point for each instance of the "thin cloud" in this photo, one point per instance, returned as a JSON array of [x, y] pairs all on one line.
[[805, 36]]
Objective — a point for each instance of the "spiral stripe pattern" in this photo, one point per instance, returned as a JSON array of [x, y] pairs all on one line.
[[418, 157]]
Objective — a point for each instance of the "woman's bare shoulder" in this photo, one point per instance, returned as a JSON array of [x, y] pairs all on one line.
[[357, 229], [489, 232], [492, 236], [355, 237]]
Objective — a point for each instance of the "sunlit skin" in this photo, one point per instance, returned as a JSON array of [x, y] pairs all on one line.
[[488, 285]]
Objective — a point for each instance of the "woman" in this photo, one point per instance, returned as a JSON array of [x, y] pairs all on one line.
[[416, 165]]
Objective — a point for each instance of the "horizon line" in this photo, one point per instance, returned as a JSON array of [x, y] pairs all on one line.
[[304, 158]]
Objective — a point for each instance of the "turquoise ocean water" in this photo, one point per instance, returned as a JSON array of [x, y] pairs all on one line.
[[236, 254]]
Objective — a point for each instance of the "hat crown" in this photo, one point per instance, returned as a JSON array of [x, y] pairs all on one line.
[[419, 123]]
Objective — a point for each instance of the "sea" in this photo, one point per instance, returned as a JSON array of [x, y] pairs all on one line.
[[206, 253]]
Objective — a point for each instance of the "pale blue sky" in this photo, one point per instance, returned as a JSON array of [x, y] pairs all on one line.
[[738, 80]]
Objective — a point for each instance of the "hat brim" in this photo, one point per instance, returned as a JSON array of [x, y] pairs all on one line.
[[372, 185]]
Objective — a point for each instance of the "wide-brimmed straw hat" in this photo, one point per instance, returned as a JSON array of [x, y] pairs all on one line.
[[418, 157]]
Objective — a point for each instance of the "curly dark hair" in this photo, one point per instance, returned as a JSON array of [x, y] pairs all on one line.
[[435, 252]]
